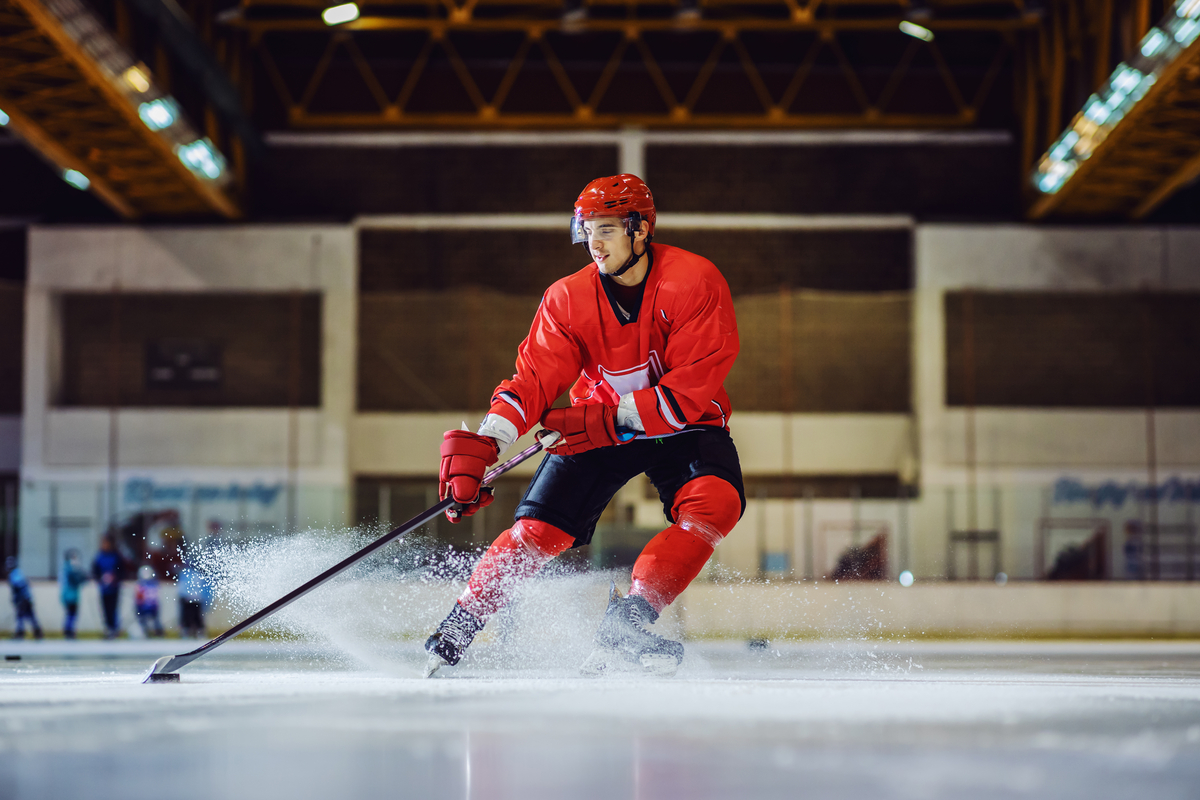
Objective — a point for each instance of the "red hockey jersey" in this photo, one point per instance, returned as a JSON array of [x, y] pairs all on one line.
[[674, 353]]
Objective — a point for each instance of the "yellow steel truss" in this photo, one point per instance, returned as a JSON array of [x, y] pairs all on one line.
[[62, 105], [1149, 155], [586, 105]]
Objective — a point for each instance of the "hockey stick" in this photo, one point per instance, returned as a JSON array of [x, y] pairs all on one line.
[[164, 669]]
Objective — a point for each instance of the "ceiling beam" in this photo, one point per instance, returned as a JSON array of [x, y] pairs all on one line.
[[47, 145], [50, 26]]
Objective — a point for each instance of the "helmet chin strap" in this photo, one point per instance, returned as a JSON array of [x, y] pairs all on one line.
[[634, 258]]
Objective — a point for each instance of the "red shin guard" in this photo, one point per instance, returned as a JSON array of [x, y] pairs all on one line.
[[705, 511], [516, 554]]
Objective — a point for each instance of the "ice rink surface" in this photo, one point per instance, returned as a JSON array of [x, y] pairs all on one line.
[[819, 719]]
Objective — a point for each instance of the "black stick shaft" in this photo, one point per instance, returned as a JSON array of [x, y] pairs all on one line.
[[172, 663]]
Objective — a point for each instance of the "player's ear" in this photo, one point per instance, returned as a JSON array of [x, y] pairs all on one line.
[[643, 230]]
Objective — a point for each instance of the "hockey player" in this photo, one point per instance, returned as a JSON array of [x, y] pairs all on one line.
[[644, 336]]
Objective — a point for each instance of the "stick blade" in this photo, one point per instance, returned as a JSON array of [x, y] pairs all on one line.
[[162, 677], [158, 673]]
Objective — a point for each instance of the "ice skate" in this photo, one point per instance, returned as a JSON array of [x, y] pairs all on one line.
[[451, 639], [624, 645]]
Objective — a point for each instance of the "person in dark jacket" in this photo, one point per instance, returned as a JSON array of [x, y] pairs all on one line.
[[22, 598], [107, 569]]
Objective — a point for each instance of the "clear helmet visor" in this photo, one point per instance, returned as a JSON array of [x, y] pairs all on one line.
[[602, 229]]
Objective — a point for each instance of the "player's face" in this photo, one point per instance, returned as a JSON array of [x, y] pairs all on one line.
[[607, 242]]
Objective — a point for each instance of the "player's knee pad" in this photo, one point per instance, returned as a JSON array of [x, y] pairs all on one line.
[[707, 507], [540, 540]]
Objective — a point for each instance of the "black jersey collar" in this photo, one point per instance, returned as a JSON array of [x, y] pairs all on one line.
[[607, 282]]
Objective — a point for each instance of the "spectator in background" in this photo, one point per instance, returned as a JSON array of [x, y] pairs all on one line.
[[108, 568], [146, 601], [22, 597], [194, 598], [70, 579]]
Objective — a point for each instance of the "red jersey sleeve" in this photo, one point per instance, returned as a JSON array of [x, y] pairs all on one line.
[[701, 348], [548, 361]]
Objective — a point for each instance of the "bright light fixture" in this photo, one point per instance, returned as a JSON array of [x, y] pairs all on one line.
[[1053, 174], [202, 158], [1153, 43], [76, 179], [337, 15], [1126, 80], [1185, 31], [134, 81], [1064, 146], [1187, 8], [906, 579], [1113, 101], [137, 79], [159, 114], [919, 31], [3, 118]]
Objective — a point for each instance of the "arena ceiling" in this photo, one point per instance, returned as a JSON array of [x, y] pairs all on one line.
[[72, 93], [223, 71], [521, 64]]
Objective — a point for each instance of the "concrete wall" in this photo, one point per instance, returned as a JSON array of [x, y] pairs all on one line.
[[1023, 453], [10, 443], [177, 448]]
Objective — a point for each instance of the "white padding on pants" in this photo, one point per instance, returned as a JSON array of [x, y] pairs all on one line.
[[704, 531], [517, 532]]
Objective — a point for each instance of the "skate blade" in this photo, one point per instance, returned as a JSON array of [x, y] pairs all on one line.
[[433, 665], [661, 666], [606, 661]]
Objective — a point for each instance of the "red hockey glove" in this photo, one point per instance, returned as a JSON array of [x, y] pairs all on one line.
[[465, 458], [584, 428]]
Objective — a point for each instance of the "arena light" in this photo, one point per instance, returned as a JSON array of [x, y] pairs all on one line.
[[1113, 101], [688, 11], [3, 118], [202, 159], [341, 14], [137, 79], [76, 179], [159, 114], [1154, 43], [906, 579], [916, 31], [157, 109], [575, 14]]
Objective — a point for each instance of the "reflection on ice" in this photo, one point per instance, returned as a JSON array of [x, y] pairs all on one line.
[[297, 719]]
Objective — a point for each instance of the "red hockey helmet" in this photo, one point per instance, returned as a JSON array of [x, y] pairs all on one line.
[[625, 196]]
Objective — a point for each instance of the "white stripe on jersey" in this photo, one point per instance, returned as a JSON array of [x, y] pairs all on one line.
[[666, 409]]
